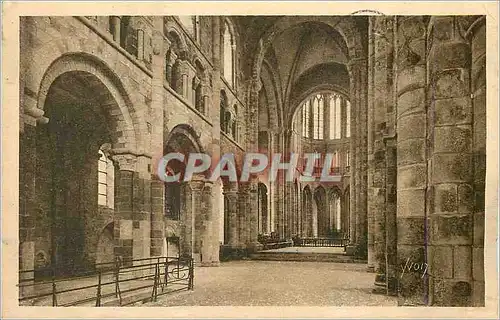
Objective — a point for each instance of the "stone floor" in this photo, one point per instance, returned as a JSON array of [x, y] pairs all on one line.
[[280, 283]]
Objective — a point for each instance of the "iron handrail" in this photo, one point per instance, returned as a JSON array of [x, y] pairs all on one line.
[[161, 277]]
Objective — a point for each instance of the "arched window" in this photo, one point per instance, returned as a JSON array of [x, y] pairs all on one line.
[[347, 160], [105, 181], [319, 104], [228, 54], [347, 119], [335, 116], [305, 118], [318, 116]]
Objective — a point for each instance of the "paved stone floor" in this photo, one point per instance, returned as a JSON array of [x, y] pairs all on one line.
[[309, 250], [280, 283]]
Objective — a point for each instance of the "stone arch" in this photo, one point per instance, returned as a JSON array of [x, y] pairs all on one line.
[[321, 201], [170, 29], [307, 212], [117, 101], [232, 29], [335, 198], [187, 132]]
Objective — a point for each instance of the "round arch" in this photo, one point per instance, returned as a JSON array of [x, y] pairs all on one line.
[[170, 28], [115, 99], [187, 132]]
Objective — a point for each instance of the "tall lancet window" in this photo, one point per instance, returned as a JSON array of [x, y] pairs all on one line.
[[335, 116], [228, 54], [347, 119], [318, 116], [305, 118], [105, 181]]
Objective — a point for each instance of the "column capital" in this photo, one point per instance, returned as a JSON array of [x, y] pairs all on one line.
[[197, 182], [126, 162]]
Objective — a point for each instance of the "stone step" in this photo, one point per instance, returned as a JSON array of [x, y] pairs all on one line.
[[298, 256]]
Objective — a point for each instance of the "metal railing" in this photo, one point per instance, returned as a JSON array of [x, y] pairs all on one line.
[[321, 242], [122, 282]]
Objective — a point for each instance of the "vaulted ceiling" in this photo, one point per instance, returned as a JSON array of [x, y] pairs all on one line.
[[301, 57]]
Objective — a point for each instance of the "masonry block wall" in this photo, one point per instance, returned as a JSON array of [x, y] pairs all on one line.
[[439, 219], [144, 86]]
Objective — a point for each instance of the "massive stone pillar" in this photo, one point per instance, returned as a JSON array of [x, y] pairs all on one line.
[[391, 235], [243, 211], [160, 47], [359, 85], [124, 217], [253, 244], [190, 244], [231, 195], [451, 164], [477, 36], [381, 105], [209, 227], [411, 158], [352, 171]]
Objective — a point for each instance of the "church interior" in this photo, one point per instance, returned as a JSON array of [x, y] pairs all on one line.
[[399, 101]]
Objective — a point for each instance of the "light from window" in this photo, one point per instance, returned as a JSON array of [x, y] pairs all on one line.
[[348, 119], [318, 113], [228, 54], [102, 179], [335, 116], [305, 119], [347, 160]]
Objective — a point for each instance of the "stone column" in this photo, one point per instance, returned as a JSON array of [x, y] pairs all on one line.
[[231, 194], [191, 243], [253, 244], [411, 158], [451, 164], [371, 206], [208, 230], [204, 103], [382, 104], [391, 236], [116, 26], [358, 73], [252, 130], [243, 212], [141, 209], [160, 46], [124, 217], [477, 35], [350, 250]]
